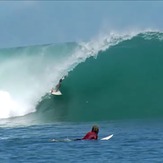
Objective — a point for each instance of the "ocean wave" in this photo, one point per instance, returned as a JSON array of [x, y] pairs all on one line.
[[112, 76]]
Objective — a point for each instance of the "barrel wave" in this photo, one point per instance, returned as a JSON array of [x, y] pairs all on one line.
[[119, 77]]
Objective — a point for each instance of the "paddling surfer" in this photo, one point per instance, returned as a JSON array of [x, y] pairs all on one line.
[[91, 135]]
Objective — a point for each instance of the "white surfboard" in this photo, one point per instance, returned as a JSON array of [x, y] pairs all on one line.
[[69, 140], [56, 92], [107, 138]]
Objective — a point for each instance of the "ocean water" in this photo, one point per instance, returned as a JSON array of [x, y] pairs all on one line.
[[132, 142], [114, 81]]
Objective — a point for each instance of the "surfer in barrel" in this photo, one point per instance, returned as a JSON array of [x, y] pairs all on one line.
[[57, 87]]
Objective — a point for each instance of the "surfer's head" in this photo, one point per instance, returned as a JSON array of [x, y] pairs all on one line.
[[95, 129]]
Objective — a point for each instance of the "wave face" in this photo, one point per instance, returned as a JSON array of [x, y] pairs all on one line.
[[112, 77]]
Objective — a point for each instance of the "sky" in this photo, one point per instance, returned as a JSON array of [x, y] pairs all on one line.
[[25, 23]]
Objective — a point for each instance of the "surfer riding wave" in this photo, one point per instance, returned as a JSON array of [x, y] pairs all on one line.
[[57, 87]]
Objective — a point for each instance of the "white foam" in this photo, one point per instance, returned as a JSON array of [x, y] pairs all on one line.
[[9, 107]]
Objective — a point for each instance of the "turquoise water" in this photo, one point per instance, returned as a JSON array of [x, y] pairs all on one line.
[[123, 82], [114, 81]]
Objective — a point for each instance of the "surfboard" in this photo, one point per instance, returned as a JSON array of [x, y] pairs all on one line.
[[56, 92], [107, 137], [69, 140]]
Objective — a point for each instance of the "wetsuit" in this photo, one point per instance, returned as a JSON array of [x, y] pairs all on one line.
[[90, 135]]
